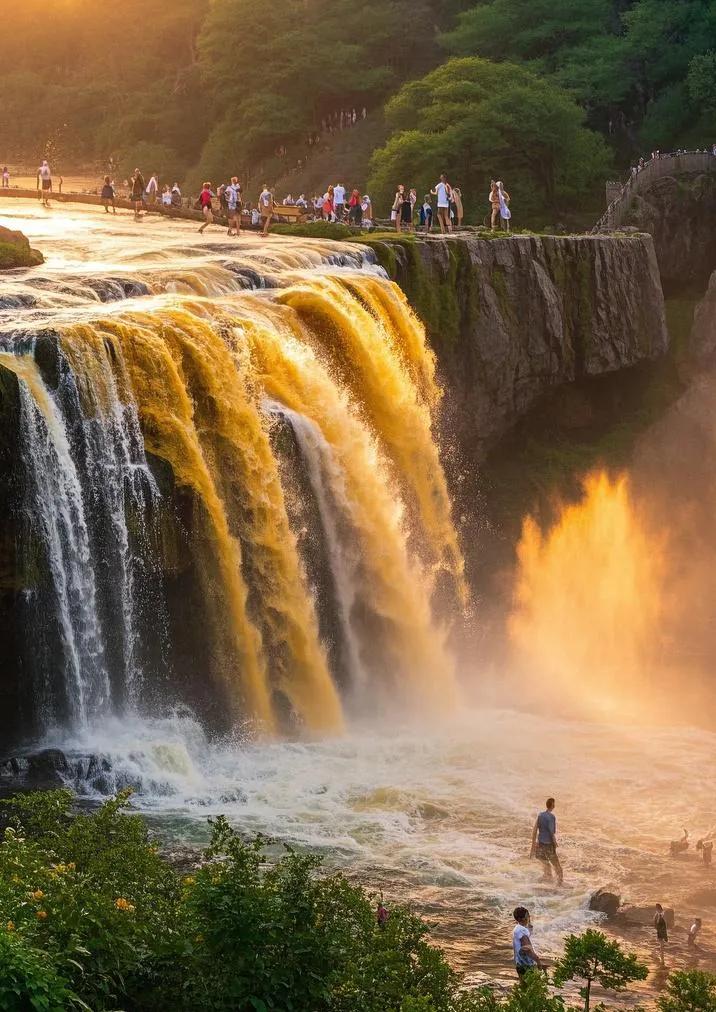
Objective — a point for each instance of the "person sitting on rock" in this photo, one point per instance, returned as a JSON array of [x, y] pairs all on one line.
[[677, 847]]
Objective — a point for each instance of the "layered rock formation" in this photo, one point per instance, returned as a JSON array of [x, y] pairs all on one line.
[[514, 318], [679, 213]]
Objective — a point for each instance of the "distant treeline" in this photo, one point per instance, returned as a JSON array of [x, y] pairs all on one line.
[[552, 95]]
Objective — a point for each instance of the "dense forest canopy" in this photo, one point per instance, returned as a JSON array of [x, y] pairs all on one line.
[[206, 87]]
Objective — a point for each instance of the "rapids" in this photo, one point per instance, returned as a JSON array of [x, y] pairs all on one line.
[[287, 389]]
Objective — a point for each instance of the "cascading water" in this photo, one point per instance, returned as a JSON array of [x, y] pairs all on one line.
[[179, 575], [56, 503]]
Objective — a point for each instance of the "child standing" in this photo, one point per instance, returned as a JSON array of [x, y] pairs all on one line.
[[107, 196]]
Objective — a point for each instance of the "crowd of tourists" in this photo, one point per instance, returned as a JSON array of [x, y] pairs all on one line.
[[226, 203]]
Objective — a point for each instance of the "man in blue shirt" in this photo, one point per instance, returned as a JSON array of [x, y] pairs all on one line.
[[544, 843]]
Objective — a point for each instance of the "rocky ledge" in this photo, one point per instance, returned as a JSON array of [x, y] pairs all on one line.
[[512, 318], [15, 251]]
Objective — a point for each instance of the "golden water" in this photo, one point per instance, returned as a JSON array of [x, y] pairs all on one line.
[[589, 602], [199, 357]]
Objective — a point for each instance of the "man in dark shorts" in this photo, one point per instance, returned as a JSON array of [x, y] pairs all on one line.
[[544, 843], [525, 956], [45, 179]]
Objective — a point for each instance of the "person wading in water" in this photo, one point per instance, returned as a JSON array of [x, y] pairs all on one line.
[[544, 843]]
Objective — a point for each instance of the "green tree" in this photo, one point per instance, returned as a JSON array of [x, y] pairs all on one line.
[[593, 957], [481, 120], [701, 80], [689, 991], [542, 31]]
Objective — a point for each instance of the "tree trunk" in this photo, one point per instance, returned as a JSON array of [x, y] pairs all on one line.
[[587, 993]]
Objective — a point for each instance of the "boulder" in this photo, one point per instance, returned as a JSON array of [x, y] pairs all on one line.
[[15, 250], [605, 902], [643, 916]]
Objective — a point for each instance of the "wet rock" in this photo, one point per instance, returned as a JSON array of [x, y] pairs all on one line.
[[34, 771], [605, 902], [15, 251], [643, 916]]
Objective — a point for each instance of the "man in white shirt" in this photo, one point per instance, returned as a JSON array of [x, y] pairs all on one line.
[[45, 177], [525, 956], [234, 206], [443, 191], [339, 200]]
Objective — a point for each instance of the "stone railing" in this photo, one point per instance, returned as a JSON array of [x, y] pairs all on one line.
[[689, 162]]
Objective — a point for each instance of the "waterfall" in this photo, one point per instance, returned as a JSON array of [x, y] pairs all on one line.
[[56, 504], [164, 509], [328, 485]]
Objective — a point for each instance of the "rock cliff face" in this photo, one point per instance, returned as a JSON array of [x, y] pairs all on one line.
[[679, 214], [512, 319]]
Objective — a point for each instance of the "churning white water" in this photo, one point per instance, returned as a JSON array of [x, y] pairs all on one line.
[[441, 816]]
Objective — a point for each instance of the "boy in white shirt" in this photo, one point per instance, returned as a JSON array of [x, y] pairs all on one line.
[[525, 956]]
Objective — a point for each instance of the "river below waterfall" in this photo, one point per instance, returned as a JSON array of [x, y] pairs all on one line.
[[440, 817], [434, 812]]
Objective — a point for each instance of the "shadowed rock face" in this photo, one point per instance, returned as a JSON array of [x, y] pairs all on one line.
[[512, 319], [679, 214], [15, 251]]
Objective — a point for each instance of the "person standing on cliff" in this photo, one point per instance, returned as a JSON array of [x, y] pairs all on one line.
[[544, 843], [494, 198], [504, 198], [44, 177], [443, 191], [136, 193]]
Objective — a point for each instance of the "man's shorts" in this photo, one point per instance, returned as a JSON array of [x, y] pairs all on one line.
[[546, 852]]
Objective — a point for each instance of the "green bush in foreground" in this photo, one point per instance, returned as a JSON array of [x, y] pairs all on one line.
[[594, 957], [689, 991], [91, 917]]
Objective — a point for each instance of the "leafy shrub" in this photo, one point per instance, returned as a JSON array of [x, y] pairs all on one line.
[[28, 980], [689, 991], [592, 956]]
